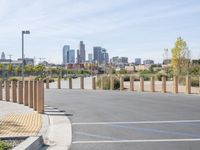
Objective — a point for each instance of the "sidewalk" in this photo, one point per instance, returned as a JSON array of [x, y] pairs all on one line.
[[18, 121]]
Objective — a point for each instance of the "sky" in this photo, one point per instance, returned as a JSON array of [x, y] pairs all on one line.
[[132, 28]]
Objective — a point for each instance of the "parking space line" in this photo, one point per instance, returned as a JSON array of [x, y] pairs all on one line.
[[137, 122], [135, 141]]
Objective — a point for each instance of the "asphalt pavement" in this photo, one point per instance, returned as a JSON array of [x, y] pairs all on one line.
[[116, 120]]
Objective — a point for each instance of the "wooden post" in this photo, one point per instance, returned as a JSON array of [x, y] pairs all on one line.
[[163, 84], [152, 84], [102, 82], [1, 91], [94, 83], [59, 83], [14, 91], [30, 94], [47, 83], [82, 83], [25, 93], [20, 92], [35, 95], [112, 82], [188, 85], [40, 96], [7, 90], [175, 85], [131, 83], [121, 83], [141, 84], [70, 83]]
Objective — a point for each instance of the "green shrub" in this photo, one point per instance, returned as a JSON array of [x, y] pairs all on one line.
[[13, 79], [127, 78], [106, 84], [4, 145], [50, 80]]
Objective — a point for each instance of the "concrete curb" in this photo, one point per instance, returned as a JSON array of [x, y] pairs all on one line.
[[54, 138], [31, 143]]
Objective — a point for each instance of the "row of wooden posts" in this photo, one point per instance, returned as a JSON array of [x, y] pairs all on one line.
[[28, 93], [152, 84]]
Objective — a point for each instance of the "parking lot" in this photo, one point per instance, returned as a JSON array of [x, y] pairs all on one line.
[[117, 120]]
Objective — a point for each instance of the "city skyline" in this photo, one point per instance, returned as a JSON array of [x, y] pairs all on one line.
[[137, 29]]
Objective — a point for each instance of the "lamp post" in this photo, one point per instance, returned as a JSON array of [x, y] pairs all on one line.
[[23, 32]]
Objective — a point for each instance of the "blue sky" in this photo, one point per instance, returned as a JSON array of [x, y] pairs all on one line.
[[133, 28]]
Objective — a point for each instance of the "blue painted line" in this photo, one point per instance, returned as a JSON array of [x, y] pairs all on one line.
[[97, 136], [158, 131]]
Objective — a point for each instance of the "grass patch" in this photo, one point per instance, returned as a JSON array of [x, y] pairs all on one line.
[[4, 145]]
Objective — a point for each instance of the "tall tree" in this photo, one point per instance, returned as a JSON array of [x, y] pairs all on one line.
[[180, 57]]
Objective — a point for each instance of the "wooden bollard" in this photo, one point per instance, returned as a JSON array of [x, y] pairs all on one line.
[[7, 90], [59, 83], [102, 82], [141, 84], [25, 99], [94, 83], [199, 84], [47, 83], [175, 84], [188, 85], [20, 92], [131, 83], [164, 85], [40, 96], [152, 84], [82, 82], [14, 91], [1, 91], [70, 83], [112, 83], [35, 95], [30, 94], [121, 83]]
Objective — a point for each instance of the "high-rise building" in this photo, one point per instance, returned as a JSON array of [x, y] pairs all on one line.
[[96, 54], [82, 51], [68, 55], [71, 56], [148, 62], [138, 61], [100, 55], [3, 55], [66, 49], [90, 57], [78, 56], [123, 60]]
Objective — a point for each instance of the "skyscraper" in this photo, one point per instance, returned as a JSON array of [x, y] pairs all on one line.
[[71, 56], [90, 57], [68, 55], [3, 55], [100, 55], [78, 56], [66, 49], [97, 54], [137, 61], [82, 51]]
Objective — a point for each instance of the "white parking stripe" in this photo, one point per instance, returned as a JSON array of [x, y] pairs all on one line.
[[135, 141], [137, 122]]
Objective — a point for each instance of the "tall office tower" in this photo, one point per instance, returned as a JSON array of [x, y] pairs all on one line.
[[137, 61], [71, 56], [104, 56], [90, 57], [3, 55], [82, 51], [66, 49], [78, 56], [148, 62], [97, 54]]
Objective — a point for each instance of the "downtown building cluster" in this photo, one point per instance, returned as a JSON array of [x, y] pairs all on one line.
[[99, 56]]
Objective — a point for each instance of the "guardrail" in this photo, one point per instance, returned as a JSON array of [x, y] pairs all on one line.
[[28, 93]]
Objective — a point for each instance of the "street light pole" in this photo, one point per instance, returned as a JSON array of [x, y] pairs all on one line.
[[23, 32]]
